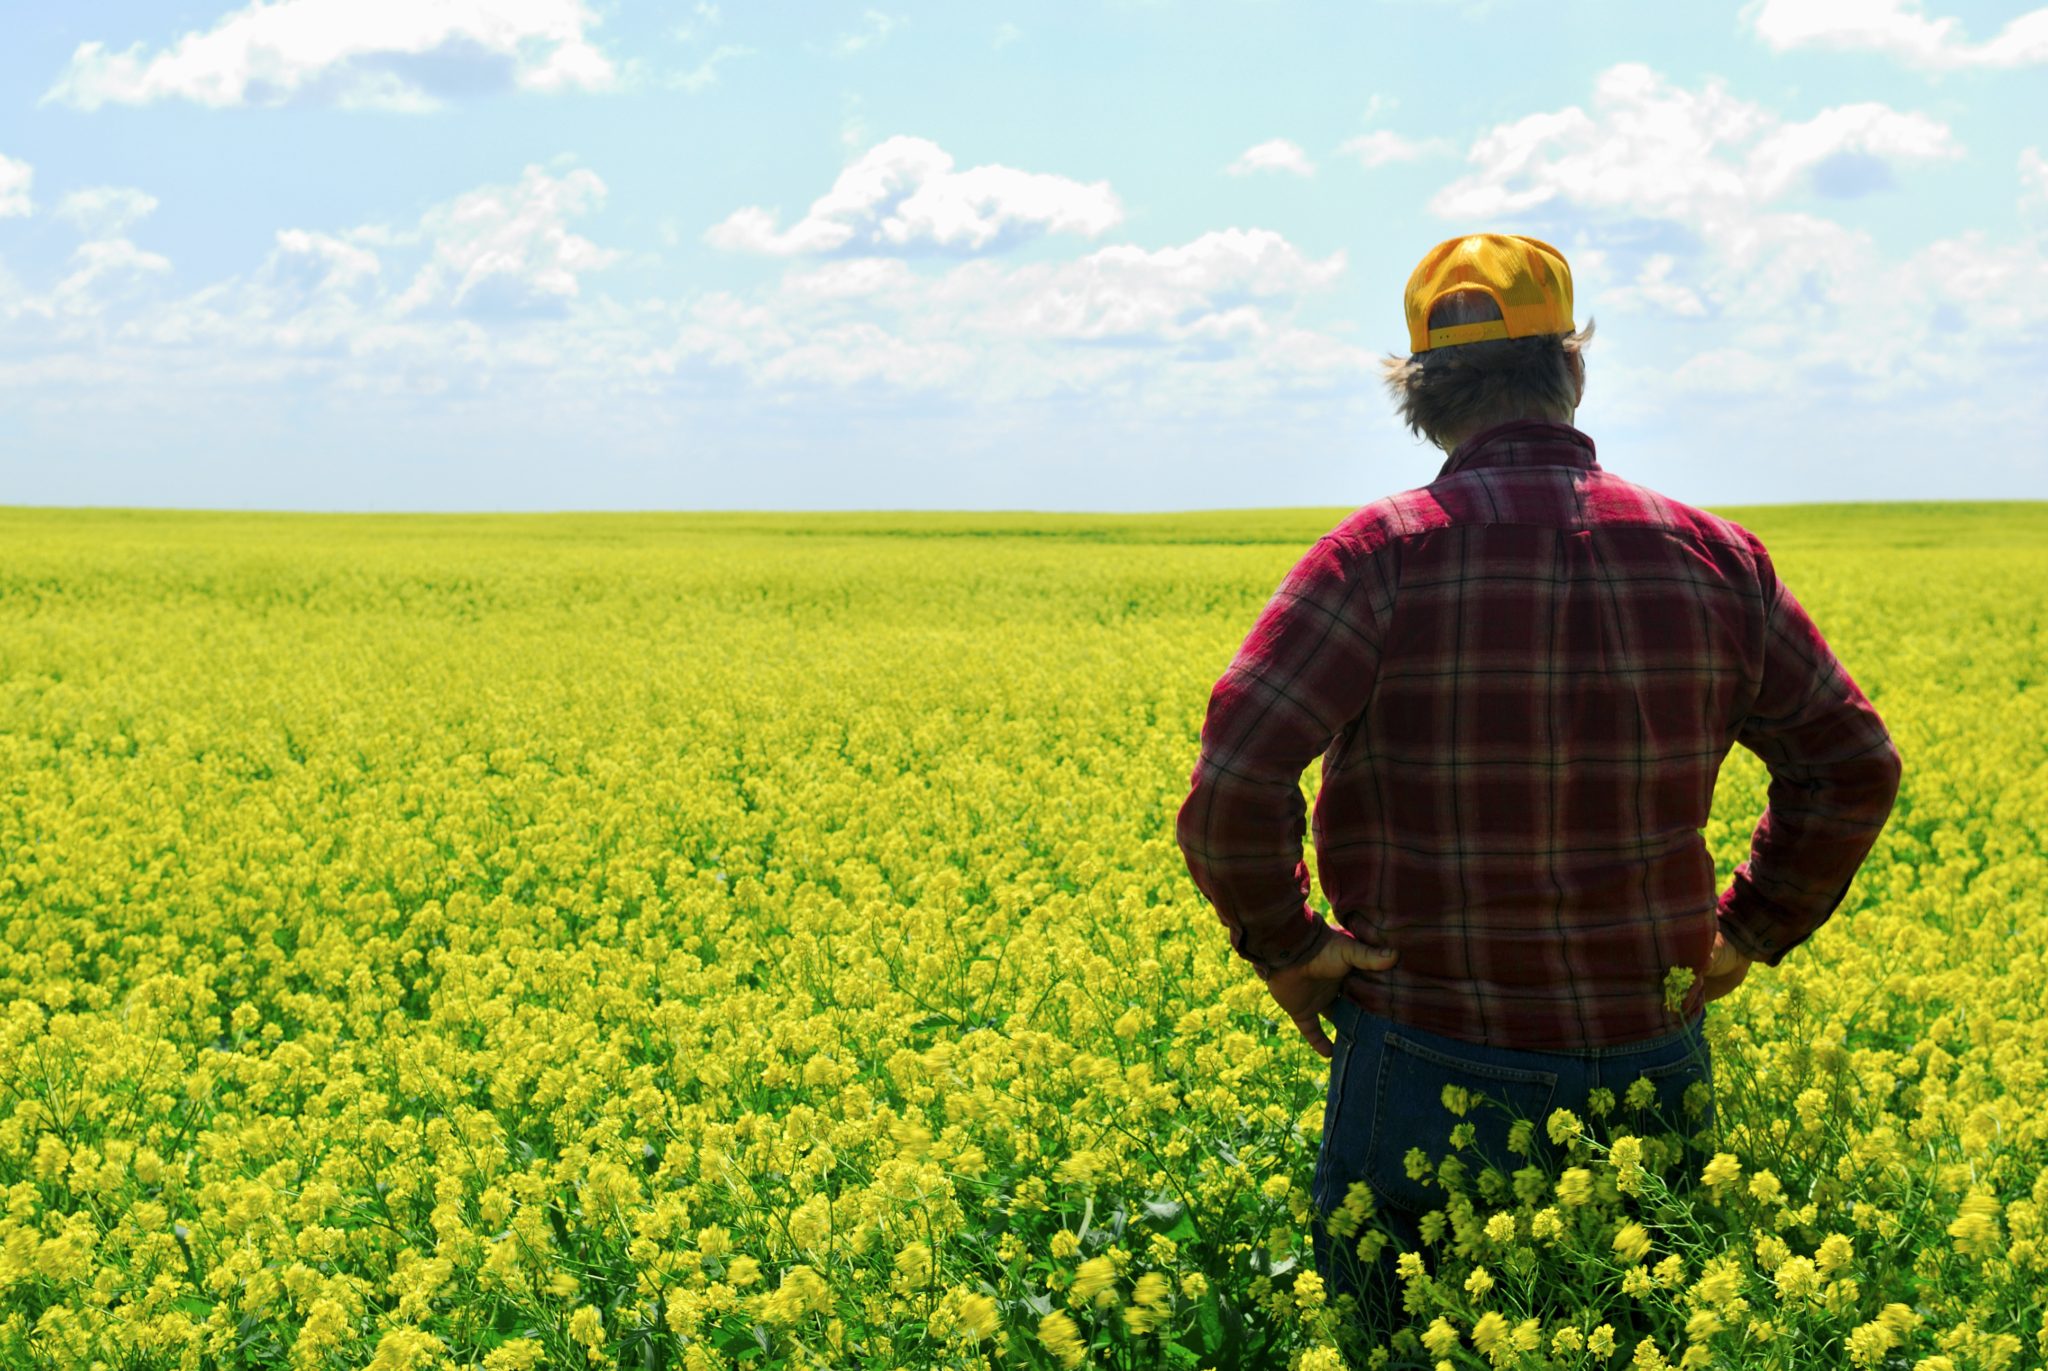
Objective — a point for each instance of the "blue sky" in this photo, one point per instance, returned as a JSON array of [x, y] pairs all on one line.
[[558, 254]]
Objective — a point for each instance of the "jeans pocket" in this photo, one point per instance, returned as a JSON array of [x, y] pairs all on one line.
[[1665, 1111], [1409, 1113]]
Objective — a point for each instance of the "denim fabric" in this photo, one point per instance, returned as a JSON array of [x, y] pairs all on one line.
[[1386, 1089]]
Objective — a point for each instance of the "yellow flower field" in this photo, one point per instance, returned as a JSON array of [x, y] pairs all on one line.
[[753, 941]]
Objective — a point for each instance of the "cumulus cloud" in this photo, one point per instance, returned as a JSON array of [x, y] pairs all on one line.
[[1165, 320], [1866, 134], [489, 297], [1653, 289], [381, 54], [106, 211], [1670, 200], [1275, 154], [509, 249], [1200, 289], [304, 263], [1899, 29], [1381, 146], [1655, 148], [486, 286], [103, 274], [15, 179], [904, 194], [1211, 322]]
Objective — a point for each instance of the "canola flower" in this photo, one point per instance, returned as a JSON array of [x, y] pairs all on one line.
[[747, 941]]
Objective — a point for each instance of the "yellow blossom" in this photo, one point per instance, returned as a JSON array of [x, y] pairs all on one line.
[[1721, 1170], [1564, 1127], [1095, 1278], [1062, 1337], [1975, 1228]]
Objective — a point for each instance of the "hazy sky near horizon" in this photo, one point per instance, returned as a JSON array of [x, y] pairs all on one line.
[[1099, 254]]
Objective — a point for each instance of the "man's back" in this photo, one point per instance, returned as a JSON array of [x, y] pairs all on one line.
[[1523, 679]]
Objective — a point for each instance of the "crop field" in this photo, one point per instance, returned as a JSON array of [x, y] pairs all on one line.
[[759, 941]]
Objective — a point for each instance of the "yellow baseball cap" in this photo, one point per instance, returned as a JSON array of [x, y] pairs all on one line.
[[1527, 278]]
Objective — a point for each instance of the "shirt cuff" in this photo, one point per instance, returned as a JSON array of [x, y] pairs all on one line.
[[1303, 938], [1753, 931]]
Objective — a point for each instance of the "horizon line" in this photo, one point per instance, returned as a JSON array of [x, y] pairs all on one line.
[[899, 510]]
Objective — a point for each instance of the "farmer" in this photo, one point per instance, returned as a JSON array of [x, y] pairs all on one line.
[[1521, 679]]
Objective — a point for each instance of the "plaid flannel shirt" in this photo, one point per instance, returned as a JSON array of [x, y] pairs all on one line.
[[1522, 680]]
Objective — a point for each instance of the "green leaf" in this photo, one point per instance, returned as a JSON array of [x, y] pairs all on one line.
[[1209, 1332]]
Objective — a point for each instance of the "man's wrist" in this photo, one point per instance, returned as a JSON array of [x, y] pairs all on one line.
[[1315, 931], [1742, 934]]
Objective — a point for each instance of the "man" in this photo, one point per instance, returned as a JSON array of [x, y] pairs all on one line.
[[1522, 679]]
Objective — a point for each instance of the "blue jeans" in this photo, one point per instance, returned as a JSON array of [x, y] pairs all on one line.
[[1386, 1089]]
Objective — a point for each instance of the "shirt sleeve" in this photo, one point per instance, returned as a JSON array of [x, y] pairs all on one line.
[[1834, 774], [1303, 673]]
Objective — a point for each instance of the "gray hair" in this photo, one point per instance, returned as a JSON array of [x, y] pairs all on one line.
[[1448, 388]]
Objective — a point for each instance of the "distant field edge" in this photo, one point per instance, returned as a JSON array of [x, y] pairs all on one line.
[[1897, 523]]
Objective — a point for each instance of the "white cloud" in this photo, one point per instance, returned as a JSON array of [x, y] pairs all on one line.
[[15, 179], [904, 193], [1654, 289], [1381, 146], [1205, 324], [1275, 154], [488, 299], [509, 248], [1007, 33], [1167, 294], [1173, 321], [1897, 28], [102, 274], [1674, 196], [383, 54], [705, 73], [1654, 148], [106, 211], [484, 287], [320, 262], [878, 26], [1867, 130]]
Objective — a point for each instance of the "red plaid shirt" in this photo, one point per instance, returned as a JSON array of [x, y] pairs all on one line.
[[1522, 680]]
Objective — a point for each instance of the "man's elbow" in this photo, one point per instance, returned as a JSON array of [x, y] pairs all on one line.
[[1878, 774], [1190, 821]]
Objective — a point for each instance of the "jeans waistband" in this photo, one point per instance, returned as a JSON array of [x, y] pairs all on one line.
[[1692, 1029]]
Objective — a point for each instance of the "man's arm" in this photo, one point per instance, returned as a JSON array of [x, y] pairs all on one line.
[[1834, 775], [1302, 674]]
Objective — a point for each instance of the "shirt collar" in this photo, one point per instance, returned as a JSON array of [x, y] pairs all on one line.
[[1523, 443]]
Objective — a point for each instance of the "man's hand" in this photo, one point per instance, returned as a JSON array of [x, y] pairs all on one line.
[[1307, 988], [1727, 968]]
